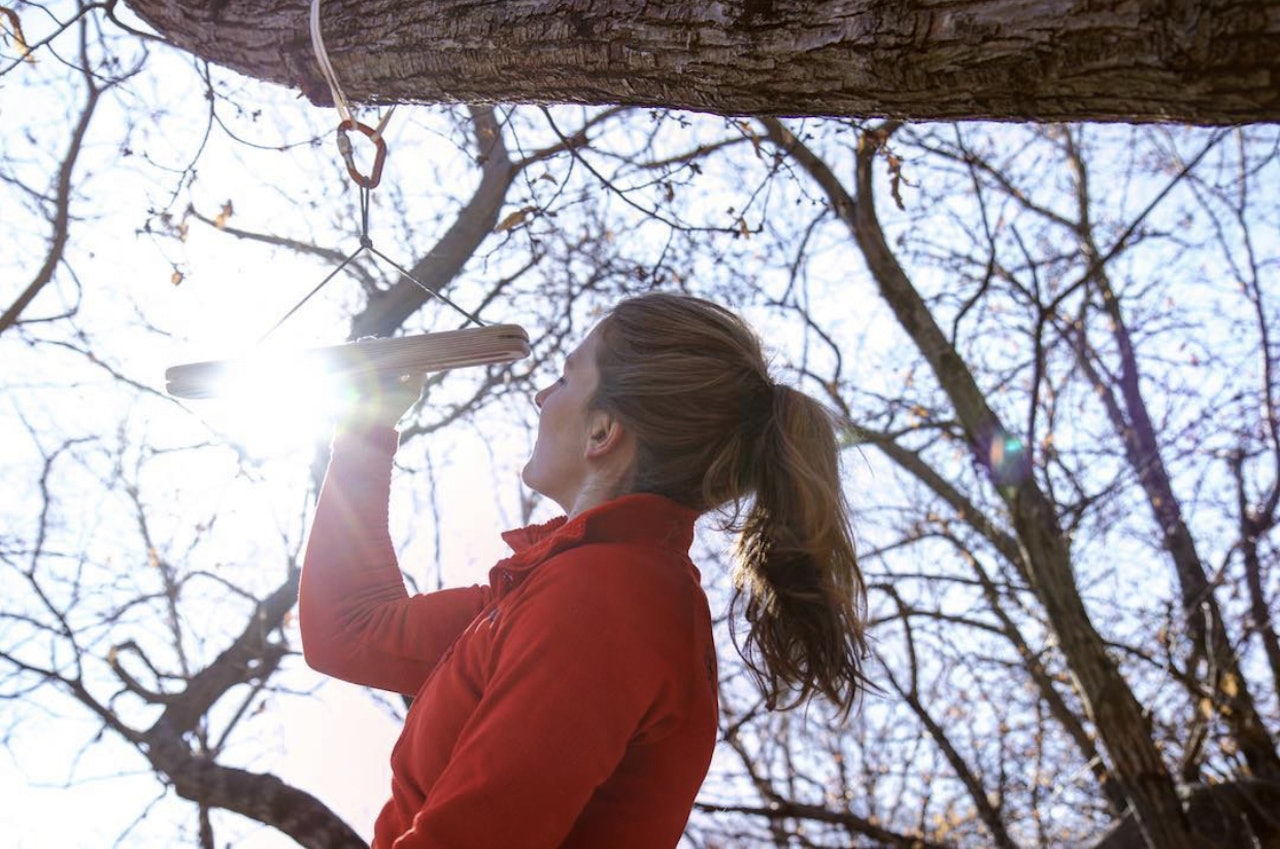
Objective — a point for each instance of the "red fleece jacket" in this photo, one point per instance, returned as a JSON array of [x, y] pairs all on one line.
[[570, 703]]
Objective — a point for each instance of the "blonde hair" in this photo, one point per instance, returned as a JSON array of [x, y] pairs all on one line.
[[713, 430]]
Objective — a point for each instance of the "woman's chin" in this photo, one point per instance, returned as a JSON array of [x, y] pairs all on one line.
[[529, 475], [531, 480]]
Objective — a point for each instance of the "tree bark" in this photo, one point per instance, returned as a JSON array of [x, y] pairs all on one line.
[[1234, 813], [1194, 61]]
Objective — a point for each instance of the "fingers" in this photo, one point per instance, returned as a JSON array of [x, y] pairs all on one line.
[[414, 380]]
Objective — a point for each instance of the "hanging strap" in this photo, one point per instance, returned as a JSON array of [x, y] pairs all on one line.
[[326, 67]]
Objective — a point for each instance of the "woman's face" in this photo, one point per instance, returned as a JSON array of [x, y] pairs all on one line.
[[558, 468]]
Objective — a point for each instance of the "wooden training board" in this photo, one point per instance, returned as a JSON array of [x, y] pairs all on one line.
[[450, 349]]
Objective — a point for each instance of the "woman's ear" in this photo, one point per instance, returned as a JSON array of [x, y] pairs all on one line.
[[605, 436]]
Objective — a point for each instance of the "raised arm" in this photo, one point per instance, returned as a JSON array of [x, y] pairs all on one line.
[[358, 621]]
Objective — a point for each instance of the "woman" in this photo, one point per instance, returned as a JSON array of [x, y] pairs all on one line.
[[572, 701]]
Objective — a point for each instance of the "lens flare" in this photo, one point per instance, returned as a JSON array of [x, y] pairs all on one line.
[[1007, 460], [275, 405]]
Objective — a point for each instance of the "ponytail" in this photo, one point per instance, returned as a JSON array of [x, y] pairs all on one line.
[[689, 380], [796, 575]]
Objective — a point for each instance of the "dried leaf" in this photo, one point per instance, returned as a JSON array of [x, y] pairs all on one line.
[[514, 220], [221, 220], [176, 277], [15, 26]]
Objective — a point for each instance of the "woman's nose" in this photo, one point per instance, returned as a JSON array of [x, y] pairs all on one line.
[[541, 396]]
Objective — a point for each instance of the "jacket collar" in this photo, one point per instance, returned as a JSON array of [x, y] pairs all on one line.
[[641, 517]]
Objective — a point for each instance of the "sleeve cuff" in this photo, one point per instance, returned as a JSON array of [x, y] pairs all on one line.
[[375, 440]]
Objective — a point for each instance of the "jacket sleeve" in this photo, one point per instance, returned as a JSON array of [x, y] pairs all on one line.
[[583, 666], [358, 622]]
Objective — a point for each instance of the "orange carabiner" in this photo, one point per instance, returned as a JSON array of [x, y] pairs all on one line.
[[348, 155]]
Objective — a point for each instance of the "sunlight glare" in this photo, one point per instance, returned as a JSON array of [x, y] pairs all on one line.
[[276, 405]]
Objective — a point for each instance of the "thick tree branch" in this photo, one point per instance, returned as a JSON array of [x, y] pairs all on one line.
[[1252, 529], [1201, 612], [1199, 61], [196, 776], [785, 810], [251, 657], [1065, 716], [261, 797]]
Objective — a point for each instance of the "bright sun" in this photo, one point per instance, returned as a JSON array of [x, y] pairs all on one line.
[[274, 405]]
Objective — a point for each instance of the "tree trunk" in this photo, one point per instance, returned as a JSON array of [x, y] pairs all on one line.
[[1203, 62], [1235, 813]]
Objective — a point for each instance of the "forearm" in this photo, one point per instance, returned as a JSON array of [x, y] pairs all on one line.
[[350, 567]]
